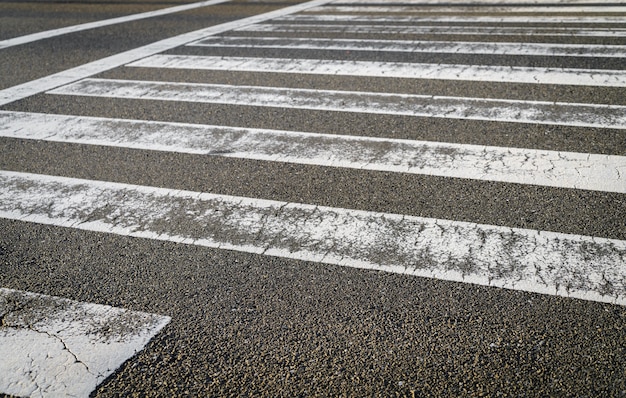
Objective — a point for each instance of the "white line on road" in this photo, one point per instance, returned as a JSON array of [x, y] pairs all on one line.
[[553, 19], [585, 267], [55, 347], [406, 70], [531, 3], [38, 86], [447, 30], [486, 109], [515, 165], [106, 22], [411, 46], [463, 9]]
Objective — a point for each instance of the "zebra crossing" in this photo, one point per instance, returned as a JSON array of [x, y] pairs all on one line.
[[550, 262]]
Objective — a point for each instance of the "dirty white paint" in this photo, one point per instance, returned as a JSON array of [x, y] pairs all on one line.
[[106, 22], [462, 9], [531, 3], [55, 347], [414, 29], [394, 18], [49, 82], [477, 73], [585, 267], [501, 110], [411, 46], [516, 165]]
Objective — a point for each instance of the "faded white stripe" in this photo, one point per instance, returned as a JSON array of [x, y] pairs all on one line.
[[37, 86], [433, 30], [553, 19], [106, 22], [524, 166], [55, 347], [551, 113], [537, 261], [411, 46], [461, 9], [477, 73], [479, 2]]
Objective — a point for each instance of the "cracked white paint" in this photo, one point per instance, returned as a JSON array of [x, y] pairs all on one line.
[[479, 73], [411, 46], [430, 29], [585, 267], [53, 347], [486, 109], [419, 19], [516, 165], [469, 10]]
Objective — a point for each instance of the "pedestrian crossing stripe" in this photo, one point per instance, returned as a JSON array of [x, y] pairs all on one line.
[[455, 19], [513, 165], [404, 70], [52, 346], [585, 267], [483, 109]]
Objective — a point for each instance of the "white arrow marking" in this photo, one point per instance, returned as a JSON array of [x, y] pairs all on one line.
[[523, 166], [501, 110], [51, 346], [537, 261]]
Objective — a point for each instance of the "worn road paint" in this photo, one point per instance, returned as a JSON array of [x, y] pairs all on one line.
[[49, 82], [486, 109], [462, 9], [514, 165], [106, 22], [55, 347], [552, 19], [477, 73], [531, 3], [411, 46], [584, 267], [445, 30]]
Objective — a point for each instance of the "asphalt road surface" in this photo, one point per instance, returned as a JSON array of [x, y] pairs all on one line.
[[325, 198]]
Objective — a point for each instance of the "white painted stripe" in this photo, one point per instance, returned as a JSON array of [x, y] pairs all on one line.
[[590, 268], [434, 30], [106, 22], [55, 347], [477, 73], [600, 3], [38, 86], [524, 166], [470, 9], [411, 46], [553, 19], [550, 113]]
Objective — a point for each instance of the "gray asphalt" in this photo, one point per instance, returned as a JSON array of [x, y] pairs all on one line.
[[245, 324]]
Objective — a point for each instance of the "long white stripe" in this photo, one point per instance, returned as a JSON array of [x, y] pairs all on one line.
[[477, 73], [524, 166], [551, 113], [531, 3], [468, 9], [410, 46], [106, 22], [537, 261], [37, 86], [55, 347], [553, 19], [434, 30]]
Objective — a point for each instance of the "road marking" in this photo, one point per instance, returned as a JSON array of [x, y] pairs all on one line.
[[476, 73], [553, 19], [514, 165], [433, 30], [51, 346], [584, 267], [532, 3], [449, 47], [469, 10], [486, 109], [38, 86], [106, 22]]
